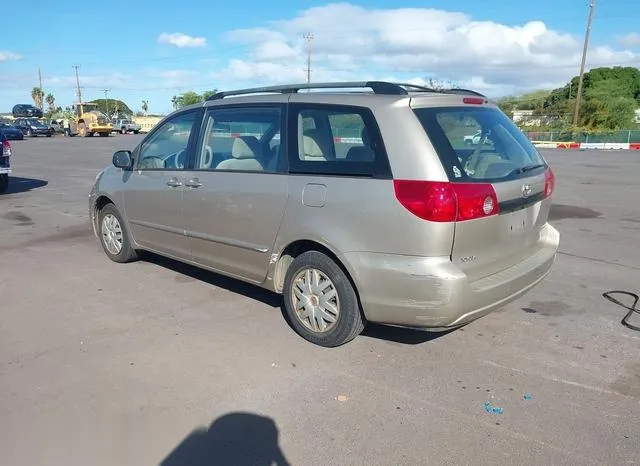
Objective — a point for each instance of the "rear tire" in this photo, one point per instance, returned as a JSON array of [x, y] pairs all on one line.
[[4, 183], [318, 293], [114, 236]]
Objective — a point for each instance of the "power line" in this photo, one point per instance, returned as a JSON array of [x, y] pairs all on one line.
[[576, 111]]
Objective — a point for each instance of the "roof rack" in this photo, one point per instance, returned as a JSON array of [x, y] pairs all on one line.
[[378, 87], [455, 90]]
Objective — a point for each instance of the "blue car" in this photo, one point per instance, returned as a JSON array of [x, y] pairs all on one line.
[[11, 132]]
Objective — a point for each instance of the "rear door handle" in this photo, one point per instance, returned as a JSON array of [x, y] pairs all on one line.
[[174, 182], [193, 183]]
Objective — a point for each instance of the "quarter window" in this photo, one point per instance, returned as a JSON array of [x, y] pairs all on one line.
[[338, 140]]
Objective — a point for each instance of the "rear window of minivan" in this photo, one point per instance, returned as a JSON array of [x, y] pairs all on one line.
[[479, 144]]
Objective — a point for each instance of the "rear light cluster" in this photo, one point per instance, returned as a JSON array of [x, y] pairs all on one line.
[[549, 182], [6, 148], [442, 201]]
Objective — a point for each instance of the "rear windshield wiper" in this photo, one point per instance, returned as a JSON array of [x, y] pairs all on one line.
[[528, 168]]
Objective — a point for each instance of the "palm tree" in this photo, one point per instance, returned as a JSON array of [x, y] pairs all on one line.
[[145, 106], [174, 102], [36, 95], [51, 102]]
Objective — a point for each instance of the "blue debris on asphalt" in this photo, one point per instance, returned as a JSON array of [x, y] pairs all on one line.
[[528, 396], [492, 409]]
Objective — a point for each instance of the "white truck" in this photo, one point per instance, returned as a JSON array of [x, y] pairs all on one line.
[[124, 126]]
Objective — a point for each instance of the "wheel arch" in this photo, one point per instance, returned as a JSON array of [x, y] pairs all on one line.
[[299, 246]]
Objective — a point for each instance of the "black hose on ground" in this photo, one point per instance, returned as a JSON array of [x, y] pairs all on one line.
[[633, 309]]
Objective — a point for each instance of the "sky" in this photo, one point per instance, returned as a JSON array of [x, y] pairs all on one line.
[[148, 52]]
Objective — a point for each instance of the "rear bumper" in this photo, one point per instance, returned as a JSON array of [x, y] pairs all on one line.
[[100, 129], [427, 292], [5, 165]]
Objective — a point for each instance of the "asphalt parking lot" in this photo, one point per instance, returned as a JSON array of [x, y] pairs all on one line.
[[159, 363]]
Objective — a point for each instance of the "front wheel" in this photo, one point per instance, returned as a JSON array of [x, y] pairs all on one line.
[[320, 301], [4, 183], [114, 236]]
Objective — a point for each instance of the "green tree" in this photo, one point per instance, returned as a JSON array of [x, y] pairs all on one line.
[[207, 94], [51, 103], [145, 106], [36, 95], [189, 98]]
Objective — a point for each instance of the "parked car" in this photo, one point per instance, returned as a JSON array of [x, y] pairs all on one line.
[[32, 127], [403, 225], [26, 111], [124, 126], [11, 132], [56, 126], [473, 139], [5, 162]]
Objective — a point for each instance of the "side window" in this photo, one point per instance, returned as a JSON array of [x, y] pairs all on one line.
[[242, 139], [166, 148], [338, 140]]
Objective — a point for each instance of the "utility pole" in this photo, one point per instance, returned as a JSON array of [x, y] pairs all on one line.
[[576, 111], [41, 93], [308, 37], [78, 83], [106, 97]]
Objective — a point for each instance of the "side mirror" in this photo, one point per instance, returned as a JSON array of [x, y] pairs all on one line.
[[122, 159]]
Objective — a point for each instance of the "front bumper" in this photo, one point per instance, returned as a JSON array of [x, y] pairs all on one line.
[[41, 132], [428, 292]]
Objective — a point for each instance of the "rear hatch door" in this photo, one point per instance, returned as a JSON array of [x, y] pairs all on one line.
[[502, 161]]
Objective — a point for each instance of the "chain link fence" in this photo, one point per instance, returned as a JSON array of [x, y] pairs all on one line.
[[616, 137]]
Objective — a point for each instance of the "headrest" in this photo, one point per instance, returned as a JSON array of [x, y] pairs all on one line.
[[364, 134], [311, 147], [244, 147], [316, 144]]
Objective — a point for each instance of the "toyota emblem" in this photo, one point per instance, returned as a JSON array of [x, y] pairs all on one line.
[[526, 190]]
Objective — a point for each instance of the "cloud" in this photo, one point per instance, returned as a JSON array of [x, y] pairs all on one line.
[[9, 56], [355, 42], [630, 40], [181, 40], [171, 78]]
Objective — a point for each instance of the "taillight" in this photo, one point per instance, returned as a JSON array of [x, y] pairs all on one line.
[[474, 100], [549, 182], [439, 201], [6, 148]]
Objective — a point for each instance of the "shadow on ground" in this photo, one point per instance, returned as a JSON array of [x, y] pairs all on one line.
[[235, 286], [378, 332], [21, 185], [232, 439], [405, 336]]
